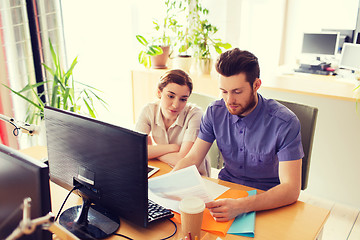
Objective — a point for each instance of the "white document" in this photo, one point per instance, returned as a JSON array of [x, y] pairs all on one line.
[[169, 189]]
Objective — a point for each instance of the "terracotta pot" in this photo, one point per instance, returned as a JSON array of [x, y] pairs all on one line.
[[159, 61]]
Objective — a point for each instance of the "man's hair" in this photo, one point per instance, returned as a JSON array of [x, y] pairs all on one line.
[[237, 61], [175, 76]]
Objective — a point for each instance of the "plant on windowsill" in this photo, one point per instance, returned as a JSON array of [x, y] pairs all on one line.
[[203, 38], [156, 52], [183, 59], [62, 92], [203, 42]]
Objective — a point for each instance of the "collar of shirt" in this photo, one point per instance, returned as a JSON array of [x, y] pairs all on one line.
[[179, 120], [250, 119]]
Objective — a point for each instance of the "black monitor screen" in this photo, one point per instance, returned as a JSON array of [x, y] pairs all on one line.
[[320, 43], [110, 163], [22, 177]]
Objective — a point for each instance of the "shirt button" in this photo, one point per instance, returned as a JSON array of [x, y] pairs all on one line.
[[241, 167], [241, 149], [241, 131]]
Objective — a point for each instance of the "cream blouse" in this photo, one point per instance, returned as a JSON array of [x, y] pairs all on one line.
[[184, 129]]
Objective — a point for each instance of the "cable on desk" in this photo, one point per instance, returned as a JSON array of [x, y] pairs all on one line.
[[173, 232], [118, 234], [74, 188]]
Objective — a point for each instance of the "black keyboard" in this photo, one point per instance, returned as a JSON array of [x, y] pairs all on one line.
[[312, 71], [157, 211]]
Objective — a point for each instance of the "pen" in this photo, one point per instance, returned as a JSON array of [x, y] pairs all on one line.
[[190, 236], [196, 238]]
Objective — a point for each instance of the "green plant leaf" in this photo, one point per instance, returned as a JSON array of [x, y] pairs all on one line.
[[218, 49], [54, 95], [24, 97], [147, 62], [141, 57], [104, 103], [31, 86], [39, 100], [53, 54], [91, 112], [142, 40], [48, 69], [69, 72], [154, 50]]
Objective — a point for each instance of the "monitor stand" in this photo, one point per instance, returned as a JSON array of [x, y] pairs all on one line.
[[89, 221]]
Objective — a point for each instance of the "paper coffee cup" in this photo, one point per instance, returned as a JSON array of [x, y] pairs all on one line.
[[191, 210]]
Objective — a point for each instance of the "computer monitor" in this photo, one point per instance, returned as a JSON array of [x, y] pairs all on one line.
[[320, 44], [346, 35], [350, 57], [22, 177], [109, 165]]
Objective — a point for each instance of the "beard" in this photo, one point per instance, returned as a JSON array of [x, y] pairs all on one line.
[[241, 109]]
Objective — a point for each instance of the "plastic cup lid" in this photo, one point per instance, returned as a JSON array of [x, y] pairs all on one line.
[[192, 205]]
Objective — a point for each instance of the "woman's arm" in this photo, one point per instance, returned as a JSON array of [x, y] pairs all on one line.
[[157, 151], [173, 157]]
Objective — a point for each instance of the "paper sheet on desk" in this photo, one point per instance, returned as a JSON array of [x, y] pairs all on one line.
[[168, 189]]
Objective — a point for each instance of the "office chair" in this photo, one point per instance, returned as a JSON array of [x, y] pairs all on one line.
[[307, 116], [202, 101]]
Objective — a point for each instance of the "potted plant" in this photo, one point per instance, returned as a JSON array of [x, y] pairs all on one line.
[[203, 42], [202, 37], [62, 92], [184, 42], [156, 52], [148, 51]]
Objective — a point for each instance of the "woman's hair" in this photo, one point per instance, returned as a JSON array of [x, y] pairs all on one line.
[[177, 76], [237, 61]]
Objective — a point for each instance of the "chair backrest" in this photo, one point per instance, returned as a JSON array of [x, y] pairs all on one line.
[[202, 101], [307, 116]]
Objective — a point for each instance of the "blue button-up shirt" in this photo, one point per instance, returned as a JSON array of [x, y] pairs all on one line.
[[252, 146]]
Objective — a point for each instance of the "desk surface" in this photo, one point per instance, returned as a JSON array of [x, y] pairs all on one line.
[[297, 221]]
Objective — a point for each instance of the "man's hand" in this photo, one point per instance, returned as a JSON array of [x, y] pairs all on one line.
[[223, 210]]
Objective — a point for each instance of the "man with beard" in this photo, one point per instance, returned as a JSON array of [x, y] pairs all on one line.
[[259, 140]]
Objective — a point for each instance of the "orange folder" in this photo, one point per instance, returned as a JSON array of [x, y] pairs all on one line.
[[209, 224]]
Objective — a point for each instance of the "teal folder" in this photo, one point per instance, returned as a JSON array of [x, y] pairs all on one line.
[[244, 225]]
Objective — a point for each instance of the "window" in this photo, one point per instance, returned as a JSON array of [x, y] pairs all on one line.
[[23, 26]]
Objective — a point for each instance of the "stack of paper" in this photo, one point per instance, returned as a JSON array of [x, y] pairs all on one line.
[[168, 190]]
